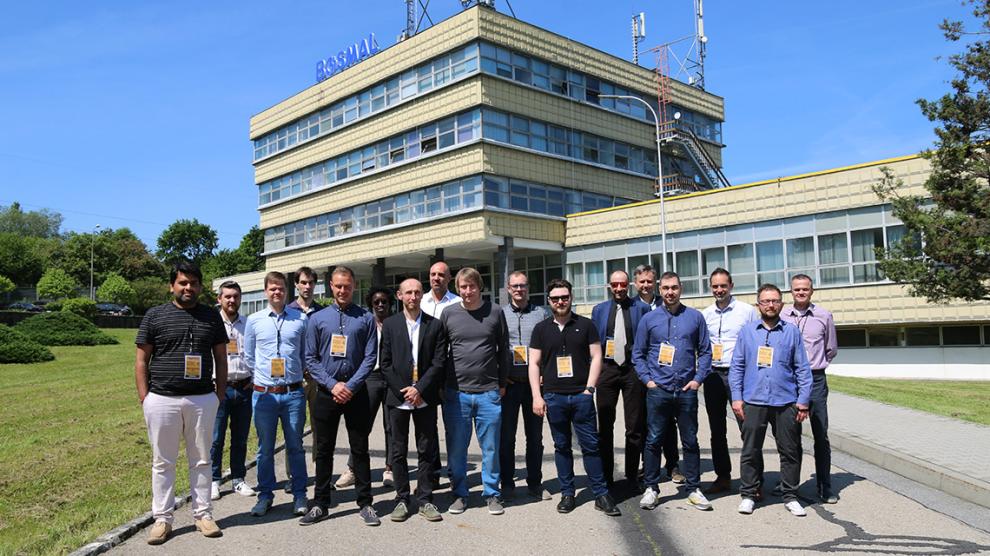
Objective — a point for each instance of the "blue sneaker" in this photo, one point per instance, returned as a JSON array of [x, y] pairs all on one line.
[[262, 507]]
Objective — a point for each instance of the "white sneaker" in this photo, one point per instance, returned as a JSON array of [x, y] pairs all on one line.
[[650, 499], [795, 508], [698, 500], [346, 479], [242, 488], [746, 506], [387, 478], [215, 490]]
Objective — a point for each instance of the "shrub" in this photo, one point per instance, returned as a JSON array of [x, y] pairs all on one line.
[[115, 289], [81, 306], [18, 348], [6, 285], [63, 329]]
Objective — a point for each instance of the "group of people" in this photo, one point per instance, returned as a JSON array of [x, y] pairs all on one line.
[[201, 371]]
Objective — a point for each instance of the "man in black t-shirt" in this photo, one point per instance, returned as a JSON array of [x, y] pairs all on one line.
[[566, 353], [178, 345]]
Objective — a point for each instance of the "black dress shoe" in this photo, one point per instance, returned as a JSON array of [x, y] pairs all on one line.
[[605, 504], [566, 504]]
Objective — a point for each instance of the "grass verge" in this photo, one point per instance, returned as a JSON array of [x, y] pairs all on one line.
[[74, 455], [966, 400]]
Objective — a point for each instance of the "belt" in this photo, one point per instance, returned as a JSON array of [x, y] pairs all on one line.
[[279, 389], [720, 369], [817, 371], [239, 384]]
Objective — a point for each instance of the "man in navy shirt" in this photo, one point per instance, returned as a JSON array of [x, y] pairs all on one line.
[[770, 380], [673, 355], [341, 349]]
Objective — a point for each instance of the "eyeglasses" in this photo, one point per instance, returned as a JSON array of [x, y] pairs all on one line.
[[518, 286], [619, 284], [558, 298], [766, 302]]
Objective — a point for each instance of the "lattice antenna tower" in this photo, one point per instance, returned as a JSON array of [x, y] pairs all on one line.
[[686, 55], [415, 25]]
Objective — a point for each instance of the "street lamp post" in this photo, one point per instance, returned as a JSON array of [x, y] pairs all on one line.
[[92, 252], [663, 212]]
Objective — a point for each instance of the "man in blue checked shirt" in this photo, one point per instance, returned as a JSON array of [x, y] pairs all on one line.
[[673, 355], [341, 350], [273, 346], [770, 380]]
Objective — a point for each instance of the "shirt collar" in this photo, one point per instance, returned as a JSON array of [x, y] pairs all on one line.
[[235, 321], [525, 309], [780, 324], [795, 312], [729, 307]]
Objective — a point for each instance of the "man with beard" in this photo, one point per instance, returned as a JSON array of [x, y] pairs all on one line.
[[181, 345]]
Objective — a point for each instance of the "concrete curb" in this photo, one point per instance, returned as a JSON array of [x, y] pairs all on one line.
[[115, 536], [927, 473]]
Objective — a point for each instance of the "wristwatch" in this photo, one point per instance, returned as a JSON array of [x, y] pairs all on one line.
[[589, 389]]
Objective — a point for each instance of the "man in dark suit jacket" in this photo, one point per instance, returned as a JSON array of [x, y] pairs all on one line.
[[413, 353], [619, 376]]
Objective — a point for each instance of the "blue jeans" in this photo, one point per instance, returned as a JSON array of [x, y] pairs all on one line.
[[237, 409], [578, 410], [484, 410], [519, 396], [290, 408], [661, 407]]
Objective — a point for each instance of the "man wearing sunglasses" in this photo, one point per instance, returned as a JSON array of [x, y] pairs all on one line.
[[566, 358], [616, 321], [522, 317]]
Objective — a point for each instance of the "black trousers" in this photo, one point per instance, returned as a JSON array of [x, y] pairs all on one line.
[[717, 399], [622, 380], [427, 450], [326, 414], [819, 430], [787, 433], [377, 390]]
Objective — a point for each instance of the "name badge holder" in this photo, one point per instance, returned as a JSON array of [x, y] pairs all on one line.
[[520, 355], [338, 345], [717, 352], [565, 367], [764, 357], [278, 367], [406, 405], [194, 367], [666, 356], [609, 348]]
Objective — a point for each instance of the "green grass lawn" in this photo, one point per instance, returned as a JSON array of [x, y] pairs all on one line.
[[74, 455], [966, 400]]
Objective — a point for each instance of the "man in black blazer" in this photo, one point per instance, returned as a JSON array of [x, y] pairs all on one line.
[[412, 357]]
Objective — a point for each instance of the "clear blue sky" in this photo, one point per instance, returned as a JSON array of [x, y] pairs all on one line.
[[123, 113]]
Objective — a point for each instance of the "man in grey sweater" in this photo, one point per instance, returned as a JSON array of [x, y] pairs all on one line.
[[478, 369]]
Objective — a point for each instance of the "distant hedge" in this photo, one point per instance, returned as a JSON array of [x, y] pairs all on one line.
[[63, 329], [82, 306], [18, 348]]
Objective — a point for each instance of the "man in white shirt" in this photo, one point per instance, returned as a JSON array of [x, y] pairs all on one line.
[[236, 407], [439, 297], [725, 319]]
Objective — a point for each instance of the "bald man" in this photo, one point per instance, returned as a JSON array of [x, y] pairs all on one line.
[[439, 297]]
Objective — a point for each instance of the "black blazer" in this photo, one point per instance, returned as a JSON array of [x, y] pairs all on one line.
[[396, 361]]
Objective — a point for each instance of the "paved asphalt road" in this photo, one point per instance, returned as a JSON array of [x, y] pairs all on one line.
[[869, 519]]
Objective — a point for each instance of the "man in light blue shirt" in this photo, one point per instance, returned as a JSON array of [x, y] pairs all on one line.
[[672, 355], [274, 338], [725, 319], [770, 382]]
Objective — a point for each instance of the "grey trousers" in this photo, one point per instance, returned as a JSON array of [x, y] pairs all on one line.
[[787, 432]]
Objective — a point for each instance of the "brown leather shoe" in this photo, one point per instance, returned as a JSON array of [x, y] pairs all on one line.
[[159, 532], [721, 484], [208, 527]]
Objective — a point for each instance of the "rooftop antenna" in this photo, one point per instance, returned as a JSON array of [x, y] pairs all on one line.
[[686, 55], [701, 41], [410, 29], [638, 34]]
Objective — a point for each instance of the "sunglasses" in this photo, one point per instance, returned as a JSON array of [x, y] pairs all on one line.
[[558, 298], [619, 284]]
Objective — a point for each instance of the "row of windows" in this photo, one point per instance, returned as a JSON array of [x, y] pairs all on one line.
[[836, 248], [896, 336], [414, 82], [562, 141], [432, 202], [497, 60], [421, 141], [455, 130]]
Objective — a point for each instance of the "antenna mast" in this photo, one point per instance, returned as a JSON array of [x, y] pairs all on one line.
[[638, 34]]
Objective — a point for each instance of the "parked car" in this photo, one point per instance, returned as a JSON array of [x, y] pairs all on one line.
[[25, 306], [113, 309]]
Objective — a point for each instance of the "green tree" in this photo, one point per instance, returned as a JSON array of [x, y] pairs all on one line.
[[149, 292], [56, 283], [36, 223], [118, 251], [953, 219], [252, 246], [23, 258], [116, 289], [187, 239], [6, 285]]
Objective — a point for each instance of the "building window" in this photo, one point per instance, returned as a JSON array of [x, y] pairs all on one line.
[[961, 335], [851, 337], [921, 336]]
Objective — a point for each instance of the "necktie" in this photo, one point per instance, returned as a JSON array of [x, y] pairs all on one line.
[[620, 337]]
